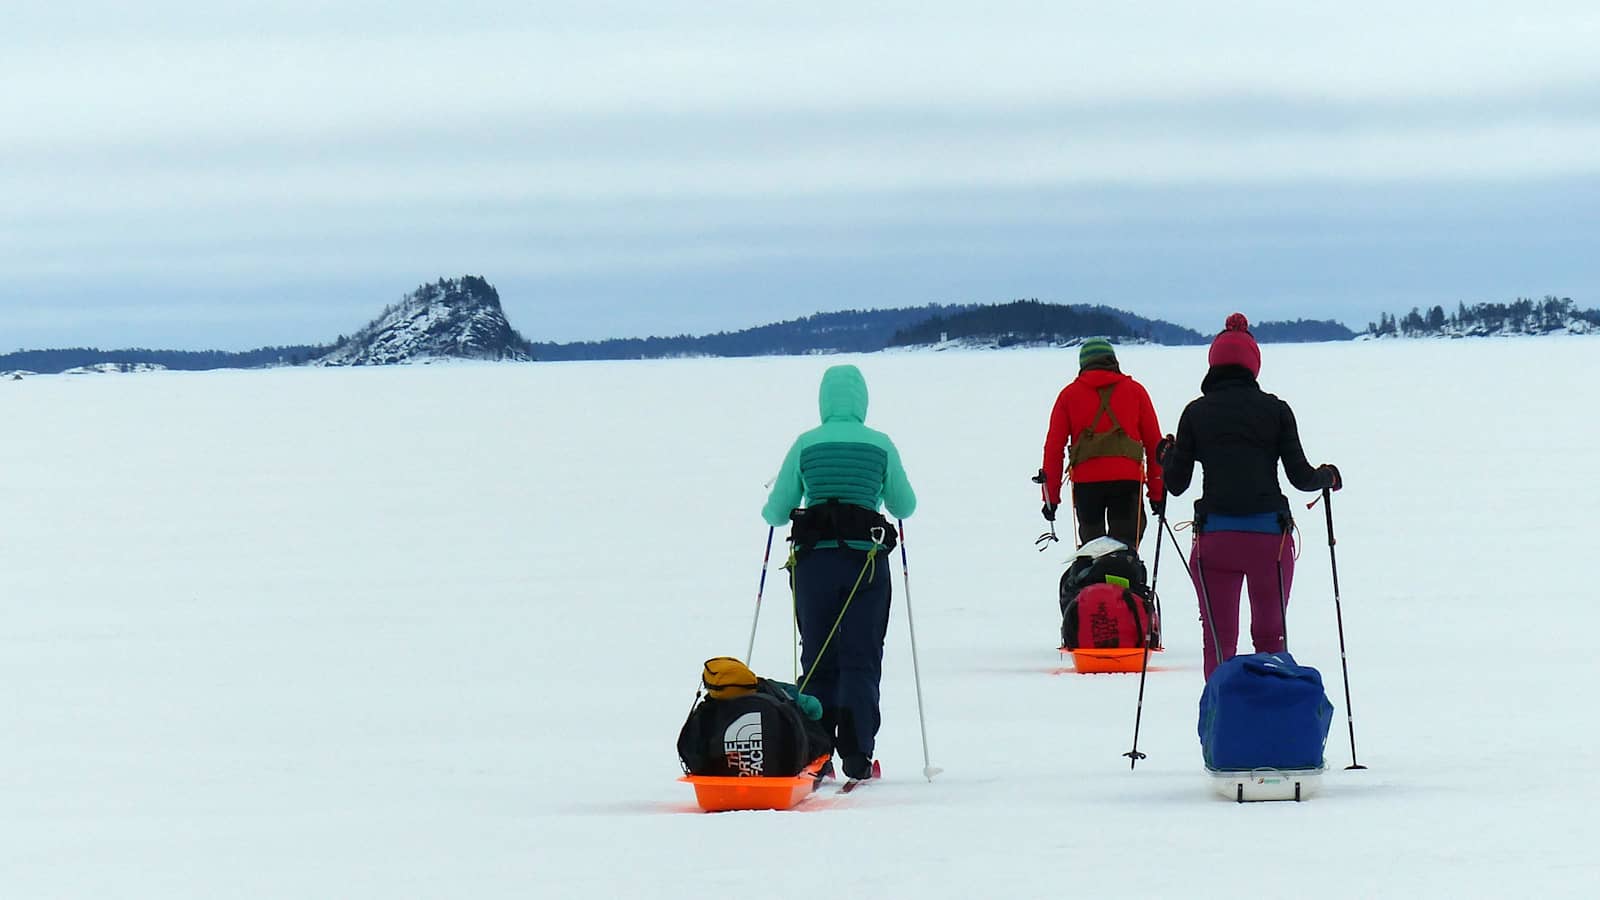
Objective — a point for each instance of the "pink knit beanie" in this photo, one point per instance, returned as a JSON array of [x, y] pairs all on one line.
[[1235, 347]]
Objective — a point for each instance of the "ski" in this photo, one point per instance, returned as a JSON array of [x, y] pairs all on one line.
[[823, 774], [851, 784]]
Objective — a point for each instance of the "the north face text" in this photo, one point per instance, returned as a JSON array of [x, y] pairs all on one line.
[[741, 745]]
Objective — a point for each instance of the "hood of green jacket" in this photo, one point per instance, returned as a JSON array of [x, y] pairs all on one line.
[[843, 395]]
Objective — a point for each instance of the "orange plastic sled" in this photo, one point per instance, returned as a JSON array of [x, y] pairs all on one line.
[[718, 793], [1116, 659]]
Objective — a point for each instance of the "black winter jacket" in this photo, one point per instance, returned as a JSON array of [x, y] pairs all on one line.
[[1238, 433]]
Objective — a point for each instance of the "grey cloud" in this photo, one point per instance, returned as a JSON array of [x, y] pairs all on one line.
[[1186, 253], [637, 167], [722, 134]]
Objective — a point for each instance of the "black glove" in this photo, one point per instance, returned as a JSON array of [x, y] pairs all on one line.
[[1158, 508], [1330, 476], [1164, 449], [1049, 512]]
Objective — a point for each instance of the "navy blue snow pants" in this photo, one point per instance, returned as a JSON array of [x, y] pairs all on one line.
[[845, 678]]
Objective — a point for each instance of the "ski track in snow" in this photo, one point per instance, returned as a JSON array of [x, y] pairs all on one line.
[[431, 632]]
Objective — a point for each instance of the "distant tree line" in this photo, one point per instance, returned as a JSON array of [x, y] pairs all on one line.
[[1017, 323], [1300, 331], [1521, 316], [849, 331], [60, 360], [1023, 322]]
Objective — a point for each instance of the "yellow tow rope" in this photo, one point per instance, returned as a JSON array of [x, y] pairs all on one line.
[[870, 565]]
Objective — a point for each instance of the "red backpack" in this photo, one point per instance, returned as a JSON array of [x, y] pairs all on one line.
[[1104, 616]]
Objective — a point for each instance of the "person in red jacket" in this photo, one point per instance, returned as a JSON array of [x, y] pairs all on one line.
[[1103, 433]]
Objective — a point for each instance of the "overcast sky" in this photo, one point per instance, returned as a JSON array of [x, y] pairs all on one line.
[[236, 174]]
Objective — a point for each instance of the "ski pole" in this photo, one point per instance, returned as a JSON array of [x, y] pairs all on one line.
[[1283, 594], [1043, 541], [1198, 576], [1144, 665], [928, 769], [760, 589], [1211, 620], [1283, 602], [1155, 573], [1072, 502], [1161, 518], [1350, 717], [1178, 547]]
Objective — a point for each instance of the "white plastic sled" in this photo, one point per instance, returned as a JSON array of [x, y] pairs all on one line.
[[1267, 784]]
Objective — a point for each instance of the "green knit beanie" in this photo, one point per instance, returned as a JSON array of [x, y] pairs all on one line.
[[1093, 349]]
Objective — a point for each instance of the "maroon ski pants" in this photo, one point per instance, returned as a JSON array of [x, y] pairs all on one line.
[[1223, 561]]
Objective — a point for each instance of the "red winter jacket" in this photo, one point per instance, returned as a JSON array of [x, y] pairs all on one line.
[[1075, 408]]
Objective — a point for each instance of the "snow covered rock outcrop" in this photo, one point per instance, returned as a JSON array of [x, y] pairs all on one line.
[[1525, 316], [455, 318], [114, 368]]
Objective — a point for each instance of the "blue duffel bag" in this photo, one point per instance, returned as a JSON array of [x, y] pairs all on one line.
[[1264, 710]]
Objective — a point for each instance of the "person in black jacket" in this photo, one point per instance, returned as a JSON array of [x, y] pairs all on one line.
[[1243, 530]]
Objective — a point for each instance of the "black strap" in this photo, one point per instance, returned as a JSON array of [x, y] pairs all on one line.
[[712, 688], [1201, 514], [1133, 607], [834, 520]]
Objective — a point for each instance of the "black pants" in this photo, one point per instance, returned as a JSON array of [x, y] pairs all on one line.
[[1109, 508], [844, 678]]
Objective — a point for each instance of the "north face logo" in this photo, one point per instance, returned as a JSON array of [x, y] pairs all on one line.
[[741, 745], [1104, 630]]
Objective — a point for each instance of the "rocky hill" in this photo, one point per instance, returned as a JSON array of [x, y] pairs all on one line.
[[454, 318]]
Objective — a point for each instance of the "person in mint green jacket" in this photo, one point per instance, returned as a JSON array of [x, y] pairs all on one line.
[[833, 481]]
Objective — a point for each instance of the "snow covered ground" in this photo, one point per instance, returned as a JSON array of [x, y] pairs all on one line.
[[431, 632]]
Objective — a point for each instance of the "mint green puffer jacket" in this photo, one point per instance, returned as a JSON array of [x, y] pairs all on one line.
[[842, 458]]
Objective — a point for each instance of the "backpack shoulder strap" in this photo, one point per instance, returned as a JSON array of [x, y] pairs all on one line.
[[1105, 408], [1115, 441]]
